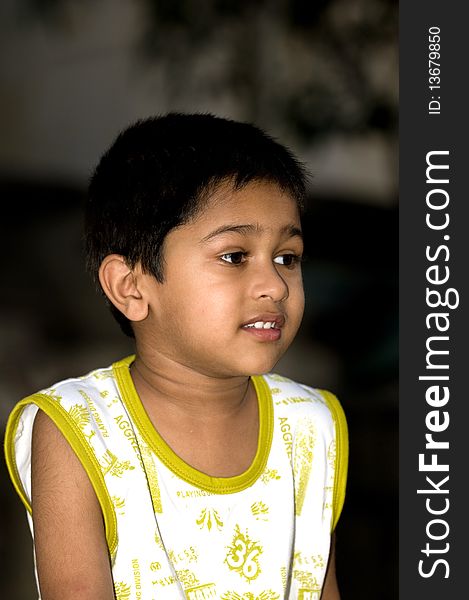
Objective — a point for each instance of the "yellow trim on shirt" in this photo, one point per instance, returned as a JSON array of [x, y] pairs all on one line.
[[77, 441], [216, 485], [342, 449]]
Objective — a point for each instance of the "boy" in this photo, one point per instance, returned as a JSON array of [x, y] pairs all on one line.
[[184, 471]]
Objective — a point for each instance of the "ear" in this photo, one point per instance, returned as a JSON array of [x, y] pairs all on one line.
[[121, 284]]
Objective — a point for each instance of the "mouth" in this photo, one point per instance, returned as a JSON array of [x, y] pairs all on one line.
[[265, 327], [262, 325]]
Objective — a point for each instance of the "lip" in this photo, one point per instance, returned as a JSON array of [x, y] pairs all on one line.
[[266, 335], [277, 318]]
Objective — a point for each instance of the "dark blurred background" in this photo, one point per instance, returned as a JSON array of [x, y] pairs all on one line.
[[322, 77]]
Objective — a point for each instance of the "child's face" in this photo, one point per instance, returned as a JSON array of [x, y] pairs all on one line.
[[234, 265]]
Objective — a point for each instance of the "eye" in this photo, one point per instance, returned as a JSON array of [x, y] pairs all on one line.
[[287, 260], [234, 258]]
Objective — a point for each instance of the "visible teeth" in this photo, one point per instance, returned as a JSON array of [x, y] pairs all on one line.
[[262, 325]]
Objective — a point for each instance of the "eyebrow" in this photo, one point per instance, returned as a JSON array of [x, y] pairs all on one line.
[[289, 230]]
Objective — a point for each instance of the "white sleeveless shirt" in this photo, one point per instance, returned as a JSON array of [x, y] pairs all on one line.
[[174, 532]]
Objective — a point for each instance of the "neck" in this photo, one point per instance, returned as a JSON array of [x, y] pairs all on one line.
[[161, 380]]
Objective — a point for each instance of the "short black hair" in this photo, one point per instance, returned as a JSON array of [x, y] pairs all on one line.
[[157, 175]]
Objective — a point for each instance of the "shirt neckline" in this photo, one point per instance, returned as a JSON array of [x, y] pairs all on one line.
[[216, 485]]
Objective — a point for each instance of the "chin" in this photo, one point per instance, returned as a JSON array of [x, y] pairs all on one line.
[[260, 367]]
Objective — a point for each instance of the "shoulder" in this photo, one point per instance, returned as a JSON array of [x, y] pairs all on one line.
[[313, 414], [304, 407], [62, 398], [86, 389], [302, 399], [78, 409]]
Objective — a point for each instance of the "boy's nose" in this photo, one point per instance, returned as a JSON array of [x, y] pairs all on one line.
[[267, 282]]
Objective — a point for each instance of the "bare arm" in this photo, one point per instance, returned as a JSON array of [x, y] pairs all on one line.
[[70, 544], [331, 590]]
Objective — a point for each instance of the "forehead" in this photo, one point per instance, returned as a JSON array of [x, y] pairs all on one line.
[[259, 202]]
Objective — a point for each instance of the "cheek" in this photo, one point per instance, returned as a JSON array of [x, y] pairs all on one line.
[[217, 289], [296, 296], [217, 305], [203, 303], [301, 302]]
